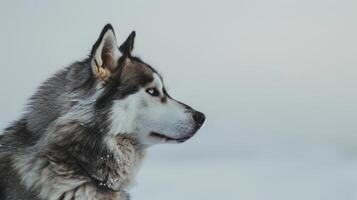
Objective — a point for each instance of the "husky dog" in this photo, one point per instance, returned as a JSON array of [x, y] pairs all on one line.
[[86, 129]]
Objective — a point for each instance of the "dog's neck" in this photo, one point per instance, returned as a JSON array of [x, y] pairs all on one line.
[[56, 172]]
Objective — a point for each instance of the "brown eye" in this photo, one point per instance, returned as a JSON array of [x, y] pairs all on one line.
[[153, 92]]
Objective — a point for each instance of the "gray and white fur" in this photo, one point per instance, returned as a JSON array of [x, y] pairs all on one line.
[[86, 129]]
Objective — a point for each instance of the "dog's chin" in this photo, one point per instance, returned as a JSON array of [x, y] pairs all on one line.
[[166, 139]]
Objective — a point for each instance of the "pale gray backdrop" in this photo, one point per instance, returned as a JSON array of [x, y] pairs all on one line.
[[276, 78]]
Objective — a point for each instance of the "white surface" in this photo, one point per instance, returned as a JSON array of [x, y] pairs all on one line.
[[307, 177]]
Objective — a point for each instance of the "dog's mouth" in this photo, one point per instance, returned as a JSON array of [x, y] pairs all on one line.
[[169, 139]]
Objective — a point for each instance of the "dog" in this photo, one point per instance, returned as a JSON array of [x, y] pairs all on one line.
[[86, 129]]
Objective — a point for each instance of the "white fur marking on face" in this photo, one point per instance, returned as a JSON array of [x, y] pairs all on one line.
[[141, 114], [122, 119]]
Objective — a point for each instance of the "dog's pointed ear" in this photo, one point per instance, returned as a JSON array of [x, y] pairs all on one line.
[[105, 54], [128, 45]]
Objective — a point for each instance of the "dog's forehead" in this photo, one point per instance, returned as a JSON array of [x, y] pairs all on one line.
[[157, 81], [138, 72]]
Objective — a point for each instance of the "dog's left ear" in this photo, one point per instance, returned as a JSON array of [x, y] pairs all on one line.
[[105, 54], [128, 45]]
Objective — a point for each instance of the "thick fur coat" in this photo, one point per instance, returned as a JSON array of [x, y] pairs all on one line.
[[86, 129]]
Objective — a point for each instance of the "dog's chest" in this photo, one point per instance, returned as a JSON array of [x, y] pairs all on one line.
[[56, 180]]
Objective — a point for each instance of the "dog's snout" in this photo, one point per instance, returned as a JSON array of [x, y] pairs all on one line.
[[199, 117]]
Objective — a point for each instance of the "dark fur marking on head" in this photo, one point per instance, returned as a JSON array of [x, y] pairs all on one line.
[[127, 79]]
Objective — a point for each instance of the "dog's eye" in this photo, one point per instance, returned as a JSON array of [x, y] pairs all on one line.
[[153, 92]]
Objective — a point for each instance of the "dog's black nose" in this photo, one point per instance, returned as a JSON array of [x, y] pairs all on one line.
[[199, 117]]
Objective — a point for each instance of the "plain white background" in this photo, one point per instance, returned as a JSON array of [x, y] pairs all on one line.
[[277, 80]]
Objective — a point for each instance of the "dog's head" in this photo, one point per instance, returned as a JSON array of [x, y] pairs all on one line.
[[134, 98]]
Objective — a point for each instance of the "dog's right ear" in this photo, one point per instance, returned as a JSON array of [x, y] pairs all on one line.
[[105, 54]]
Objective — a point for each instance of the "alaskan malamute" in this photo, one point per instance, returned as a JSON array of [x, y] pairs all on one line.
[[86, 129]]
